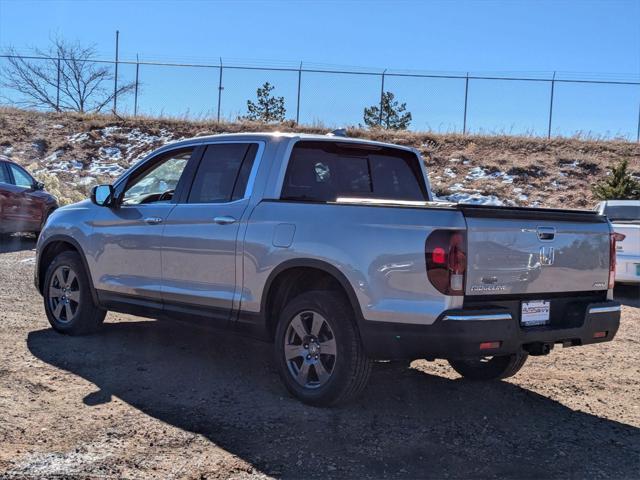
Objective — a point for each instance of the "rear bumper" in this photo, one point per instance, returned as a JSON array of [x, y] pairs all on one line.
[[459, 333], [626, 268]]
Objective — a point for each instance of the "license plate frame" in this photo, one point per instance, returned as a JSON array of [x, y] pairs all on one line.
[[535, 313]]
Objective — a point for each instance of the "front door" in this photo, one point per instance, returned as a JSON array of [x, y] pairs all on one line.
[[22, 209], [200, 235], [127, 237]]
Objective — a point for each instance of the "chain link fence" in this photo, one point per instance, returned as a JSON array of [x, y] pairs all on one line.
[[535, 104]]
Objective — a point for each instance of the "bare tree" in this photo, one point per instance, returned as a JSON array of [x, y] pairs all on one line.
[[67, 79]]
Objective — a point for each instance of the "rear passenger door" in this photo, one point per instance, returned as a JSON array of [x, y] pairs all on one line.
[[6, 192], [199, 272]]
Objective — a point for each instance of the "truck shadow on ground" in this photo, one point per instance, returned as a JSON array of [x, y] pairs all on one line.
[[408, 424], [16, 243], [627, 295]]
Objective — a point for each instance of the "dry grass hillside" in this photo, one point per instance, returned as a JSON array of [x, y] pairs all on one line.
[[71, 152]]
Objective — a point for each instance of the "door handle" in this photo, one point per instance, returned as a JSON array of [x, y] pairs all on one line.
[[153, 220], [546, 233], [224, 220]]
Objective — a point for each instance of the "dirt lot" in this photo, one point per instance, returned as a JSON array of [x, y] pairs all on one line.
[[153, 399]]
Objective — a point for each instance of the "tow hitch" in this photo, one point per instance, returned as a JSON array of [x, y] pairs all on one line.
[[538, 348]]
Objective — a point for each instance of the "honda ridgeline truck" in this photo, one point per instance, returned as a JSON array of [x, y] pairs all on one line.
[[333, 249]]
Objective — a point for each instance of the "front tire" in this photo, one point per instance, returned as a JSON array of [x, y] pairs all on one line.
[[68, 302], [490, 368], [319, 354]]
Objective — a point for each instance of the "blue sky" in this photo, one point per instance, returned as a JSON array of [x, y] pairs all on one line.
[[576, 38]]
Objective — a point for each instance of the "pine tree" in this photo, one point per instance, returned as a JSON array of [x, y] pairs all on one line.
[[394, 114], [618, 185], [266, 108]]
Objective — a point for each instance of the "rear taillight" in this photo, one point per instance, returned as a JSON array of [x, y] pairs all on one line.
[[446, 261], [613, 238]]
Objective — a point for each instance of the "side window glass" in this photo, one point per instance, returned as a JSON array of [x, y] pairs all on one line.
[[158, 184], [223, 173], [4, 173], [22, 179]]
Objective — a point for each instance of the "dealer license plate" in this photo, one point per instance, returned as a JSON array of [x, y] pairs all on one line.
[[535, 312]]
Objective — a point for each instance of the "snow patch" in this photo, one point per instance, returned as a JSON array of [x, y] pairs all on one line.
[[85, 181], [78, 137], [110, 153], [473, 199], [108, 131], [64, 464], [101, 168], [477, 173], [55, 166], [54, 156], [449, 173]]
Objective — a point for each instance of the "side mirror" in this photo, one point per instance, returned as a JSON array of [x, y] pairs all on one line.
[[102, 195], [38, 185]]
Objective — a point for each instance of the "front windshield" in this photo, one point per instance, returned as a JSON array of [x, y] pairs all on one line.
[[623, 213]]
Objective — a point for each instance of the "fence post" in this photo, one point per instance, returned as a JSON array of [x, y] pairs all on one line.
[[135, 101], [466, 96], [298, 104], [220, 87], [58, 88], [115, 77], [638, 132], [381, 97], [553, 83]]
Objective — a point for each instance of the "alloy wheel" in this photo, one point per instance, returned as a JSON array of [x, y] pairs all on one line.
[[64, 294], [310, 349]]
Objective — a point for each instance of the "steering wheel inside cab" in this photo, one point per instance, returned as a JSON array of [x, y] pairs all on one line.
[[157, 197]]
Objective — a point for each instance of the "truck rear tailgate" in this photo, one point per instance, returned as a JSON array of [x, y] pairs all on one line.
[[531, 251]]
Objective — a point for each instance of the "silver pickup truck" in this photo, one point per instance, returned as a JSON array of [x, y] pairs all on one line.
[[333, 249]]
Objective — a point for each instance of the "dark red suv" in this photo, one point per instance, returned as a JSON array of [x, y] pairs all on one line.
[[24, 205]]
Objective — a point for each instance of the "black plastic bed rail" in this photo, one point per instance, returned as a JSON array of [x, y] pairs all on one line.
[[487, 211]]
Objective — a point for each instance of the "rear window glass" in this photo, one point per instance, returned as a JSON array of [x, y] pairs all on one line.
[[325, 171], [625, 213]]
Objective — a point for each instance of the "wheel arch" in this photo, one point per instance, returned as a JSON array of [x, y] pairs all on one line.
[[54, 246], [295, 276]]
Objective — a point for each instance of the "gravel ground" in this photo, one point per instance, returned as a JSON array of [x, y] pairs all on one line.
[[146, 399]]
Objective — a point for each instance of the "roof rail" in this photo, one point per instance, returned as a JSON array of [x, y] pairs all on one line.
[[338, 132]]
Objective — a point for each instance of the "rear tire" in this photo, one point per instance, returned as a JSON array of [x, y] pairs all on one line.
[[67, 296], [319, 354], [493, 368]]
